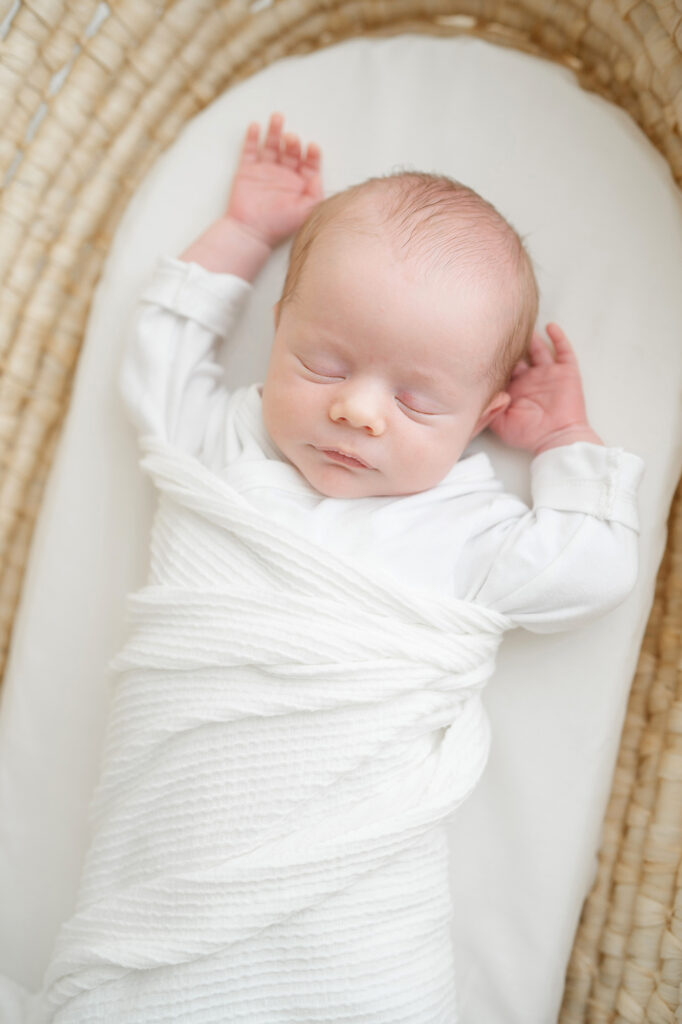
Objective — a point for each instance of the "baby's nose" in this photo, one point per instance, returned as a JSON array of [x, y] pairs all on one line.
[[360, 409]]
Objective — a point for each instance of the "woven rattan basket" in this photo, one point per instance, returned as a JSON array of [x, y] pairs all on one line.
[[91, 93]]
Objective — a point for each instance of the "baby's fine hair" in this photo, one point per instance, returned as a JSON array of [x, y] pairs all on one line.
[[444, 223]]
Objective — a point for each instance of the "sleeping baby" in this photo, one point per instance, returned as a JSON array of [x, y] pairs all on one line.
[[405, 327], [298, 709]]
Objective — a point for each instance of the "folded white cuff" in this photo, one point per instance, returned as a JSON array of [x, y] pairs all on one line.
[[585, 477], [188, 289]]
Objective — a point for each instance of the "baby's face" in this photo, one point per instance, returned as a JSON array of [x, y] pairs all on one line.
[[377, 376]]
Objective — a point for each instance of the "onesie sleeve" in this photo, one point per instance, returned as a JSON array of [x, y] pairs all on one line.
[[574, 554], [170, 381]]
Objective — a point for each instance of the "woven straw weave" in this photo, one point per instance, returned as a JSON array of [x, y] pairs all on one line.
[[90, 95]]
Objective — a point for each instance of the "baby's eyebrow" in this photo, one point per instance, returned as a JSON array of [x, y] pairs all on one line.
[[426, 382], [422, 377]]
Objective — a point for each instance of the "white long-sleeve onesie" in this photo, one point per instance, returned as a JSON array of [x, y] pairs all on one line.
[[571, 556]]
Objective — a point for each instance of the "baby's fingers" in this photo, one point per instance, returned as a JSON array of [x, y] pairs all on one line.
[[310, 171], [291, 152], [538, 351], [273, 138], [520, 368], [313, 157], [562, 346], [250, 147]]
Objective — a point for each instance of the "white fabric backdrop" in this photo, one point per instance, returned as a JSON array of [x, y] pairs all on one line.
[[603, 222]]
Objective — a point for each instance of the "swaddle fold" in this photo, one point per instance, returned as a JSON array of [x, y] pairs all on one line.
[[288, 734]]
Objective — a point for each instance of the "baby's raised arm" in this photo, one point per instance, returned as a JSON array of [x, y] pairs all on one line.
[[274, 188], [574, 554], [171, 382]]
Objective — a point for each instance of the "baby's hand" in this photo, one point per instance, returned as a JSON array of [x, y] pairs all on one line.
[[547, 407], [275, 186]]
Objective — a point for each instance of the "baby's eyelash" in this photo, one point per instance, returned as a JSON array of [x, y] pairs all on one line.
[[410, 408], [316, 373]]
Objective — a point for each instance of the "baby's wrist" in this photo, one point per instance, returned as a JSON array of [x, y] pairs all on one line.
[[567, 435], [229, 246]]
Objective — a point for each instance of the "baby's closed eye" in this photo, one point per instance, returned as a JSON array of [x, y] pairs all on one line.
[[420, 406], [321, 370]]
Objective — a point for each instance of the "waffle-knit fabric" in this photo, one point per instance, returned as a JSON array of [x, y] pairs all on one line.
[[288, 735]]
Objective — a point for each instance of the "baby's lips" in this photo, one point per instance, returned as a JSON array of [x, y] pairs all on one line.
[[343, 455]]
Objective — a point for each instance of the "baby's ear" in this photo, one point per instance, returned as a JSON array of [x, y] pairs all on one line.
[[497, 404]]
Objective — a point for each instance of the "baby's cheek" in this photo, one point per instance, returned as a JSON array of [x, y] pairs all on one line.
[[272, 415], [430, 456], [284, 409]]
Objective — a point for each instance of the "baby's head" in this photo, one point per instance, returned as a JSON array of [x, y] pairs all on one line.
[[407, 302]]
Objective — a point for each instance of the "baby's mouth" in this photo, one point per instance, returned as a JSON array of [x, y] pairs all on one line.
[[345, 458]]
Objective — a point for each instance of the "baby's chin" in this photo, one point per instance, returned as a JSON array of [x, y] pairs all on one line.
[[342, 482]]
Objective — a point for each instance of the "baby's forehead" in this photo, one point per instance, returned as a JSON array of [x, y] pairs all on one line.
[[467, 239], [363, 300]]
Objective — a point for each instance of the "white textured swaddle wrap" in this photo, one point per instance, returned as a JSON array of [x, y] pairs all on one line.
[[287, 736]]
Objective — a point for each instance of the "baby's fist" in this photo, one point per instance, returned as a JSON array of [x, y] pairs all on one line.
[[547, 407]]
